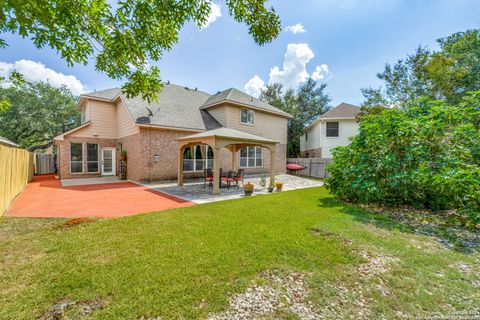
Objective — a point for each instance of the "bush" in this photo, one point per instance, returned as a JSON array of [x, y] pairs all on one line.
[[426, 155]]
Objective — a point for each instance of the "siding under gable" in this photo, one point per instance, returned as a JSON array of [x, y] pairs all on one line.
[[103, 121], [125, 124], [266, 124]]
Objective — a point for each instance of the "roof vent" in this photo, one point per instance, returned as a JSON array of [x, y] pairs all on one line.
[[168, 81], [186, 88], [196, 89], [143, 120]]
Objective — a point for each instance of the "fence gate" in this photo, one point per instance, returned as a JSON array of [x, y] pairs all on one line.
[[313, 167], [45, 163]]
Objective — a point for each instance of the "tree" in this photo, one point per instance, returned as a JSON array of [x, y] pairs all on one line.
[[37, 113], [448, 74], [425, 156], [124, 37], [305, 104]]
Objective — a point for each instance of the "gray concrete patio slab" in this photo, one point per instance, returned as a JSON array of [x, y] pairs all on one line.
[[197, 193], [88, 181]]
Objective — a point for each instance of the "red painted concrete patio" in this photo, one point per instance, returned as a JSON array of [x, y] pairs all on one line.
[[45, 197]]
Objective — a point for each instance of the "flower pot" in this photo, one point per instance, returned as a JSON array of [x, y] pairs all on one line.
[[248, 189], [279, 186], [248, 192], [270, 188]]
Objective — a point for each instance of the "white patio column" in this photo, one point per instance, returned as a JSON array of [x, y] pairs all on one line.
[[272, 163], [180, 166], [216, 170]]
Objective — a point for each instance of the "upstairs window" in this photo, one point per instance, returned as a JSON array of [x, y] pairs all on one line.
[[247, 116], [76, 157], [306, 135], [332, 129], [83, 116]]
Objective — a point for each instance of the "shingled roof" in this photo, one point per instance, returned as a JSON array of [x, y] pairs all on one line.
[[342, 111], [239, 97], [181, 107]]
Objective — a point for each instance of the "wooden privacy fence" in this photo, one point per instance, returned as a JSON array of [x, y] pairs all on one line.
[[313, 167], [16, 169]]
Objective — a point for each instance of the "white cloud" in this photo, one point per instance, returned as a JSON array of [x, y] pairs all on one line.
[[296, 28], [215, 13], [320, 72], [254, 86], [35, 72], [294, 69], [293, 72]]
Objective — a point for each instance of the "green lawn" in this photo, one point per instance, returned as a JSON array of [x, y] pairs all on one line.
[[187, 263]]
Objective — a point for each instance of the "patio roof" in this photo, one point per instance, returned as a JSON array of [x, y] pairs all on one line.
[[228, 133], [228, 138]]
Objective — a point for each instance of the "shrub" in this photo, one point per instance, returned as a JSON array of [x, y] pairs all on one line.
[[426, 155]]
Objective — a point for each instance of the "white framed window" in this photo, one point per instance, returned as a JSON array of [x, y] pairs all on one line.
[[247, 116], [92, 157], [83, 115], [197, 158], [76, 157], [332, 129], [251, 157]]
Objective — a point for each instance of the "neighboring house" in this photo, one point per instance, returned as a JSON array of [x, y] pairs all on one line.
[[148, 132], [332, 129]]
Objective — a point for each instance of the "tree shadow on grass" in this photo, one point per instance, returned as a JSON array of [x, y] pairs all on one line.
[[450, 236]]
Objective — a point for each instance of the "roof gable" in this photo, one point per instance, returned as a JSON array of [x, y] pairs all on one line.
[[239, 97], [181, 107]]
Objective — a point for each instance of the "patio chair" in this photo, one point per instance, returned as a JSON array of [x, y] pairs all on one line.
[[229, 178], [239, 176], [208, 177]]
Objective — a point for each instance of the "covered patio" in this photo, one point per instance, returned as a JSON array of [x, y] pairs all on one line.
[[220, 138]]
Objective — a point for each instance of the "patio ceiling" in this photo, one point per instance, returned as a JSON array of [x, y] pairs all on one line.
[[228, 138]]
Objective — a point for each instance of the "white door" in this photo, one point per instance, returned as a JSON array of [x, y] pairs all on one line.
[[108, 161]]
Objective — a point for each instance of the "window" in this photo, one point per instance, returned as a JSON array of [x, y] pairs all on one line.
[[251, 157], [306, 135], [332, 129], [83, 117], [247, 116], [76, 158], [197, 158], [92, 157]]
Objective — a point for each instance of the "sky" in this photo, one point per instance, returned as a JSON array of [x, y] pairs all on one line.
[[342, 43]]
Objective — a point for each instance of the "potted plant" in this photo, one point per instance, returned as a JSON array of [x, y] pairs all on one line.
[[271, 187], [248, 188], [263, 181], [279, 186], [123, 155]]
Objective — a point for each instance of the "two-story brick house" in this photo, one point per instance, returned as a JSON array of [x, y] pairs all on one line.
[[148, 132]]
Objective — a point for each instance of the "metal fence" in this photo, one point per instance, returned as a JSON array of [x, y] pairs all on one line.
[[45, 163], [313, 167]]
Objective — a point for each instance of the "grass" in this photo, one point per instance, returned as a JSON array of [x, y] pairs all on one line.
[[187, 263]]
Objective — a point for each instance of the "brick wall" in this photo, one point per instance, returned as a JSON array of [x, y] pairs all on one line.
[[63, 155], [141, 149]]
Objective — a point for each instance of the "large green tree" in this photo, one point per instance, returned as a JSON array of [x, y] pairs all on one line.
[[124, 36], [36, 113], [447, 74], [305, 104]]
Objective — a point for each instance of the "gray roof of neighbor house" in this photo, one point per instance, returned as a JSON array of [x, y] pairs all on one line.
[[179, 107], [343, 110], [239, 97]]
